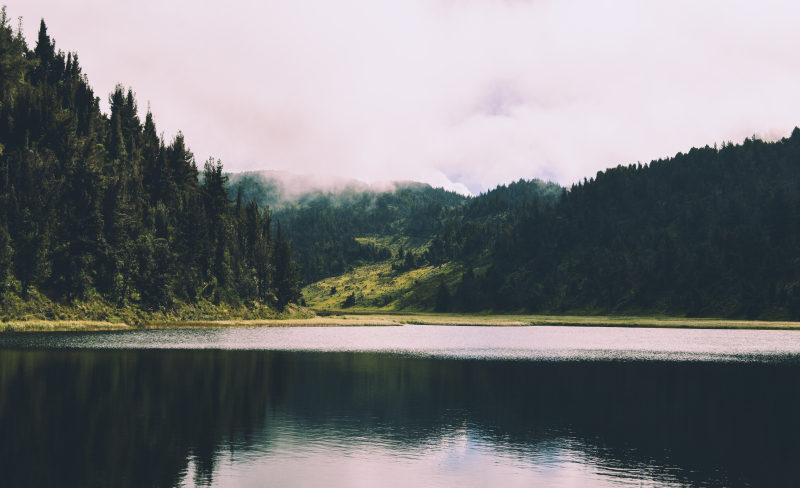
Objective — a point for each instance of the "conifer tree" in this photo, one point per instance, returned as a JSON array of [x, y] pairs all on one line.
[[44, 54], [443, 298], [287, 277]]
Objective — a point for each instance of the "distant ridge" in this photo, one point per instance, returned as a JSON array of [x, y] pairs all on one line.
[[278, 188]]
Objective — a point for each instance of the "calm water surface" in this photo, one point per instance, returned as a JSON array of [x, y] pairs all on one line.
[[401, 406]]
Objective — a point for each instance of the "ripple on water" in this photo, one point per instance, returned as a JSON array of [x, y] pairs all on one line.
[[508, 343]]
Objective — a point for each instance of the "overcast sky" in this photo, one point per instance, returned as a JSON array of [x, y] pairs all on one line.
[[464, 94]]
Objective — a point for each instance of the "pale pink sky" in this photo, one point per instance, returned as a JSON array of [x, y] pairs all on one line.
[[457, 93]]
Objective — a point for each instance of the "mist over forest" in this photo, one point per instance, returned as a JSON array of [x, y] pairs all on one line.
[[712, 232], [100, 207]]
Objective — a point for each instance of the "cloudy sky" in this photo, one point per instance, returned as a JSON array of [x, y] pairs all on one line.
[[464, 94]]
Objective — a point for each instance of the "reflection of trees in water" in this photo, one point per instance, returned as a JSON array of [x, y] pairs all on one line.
[[731, 422], [133, 418], [123, 418]]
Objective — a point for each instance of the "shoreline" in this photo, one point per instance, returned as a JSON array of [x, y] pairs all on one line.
[[366, 319]]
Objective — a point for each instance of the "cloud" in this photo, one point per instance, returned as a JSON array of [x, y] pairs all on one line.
[[462, 94]]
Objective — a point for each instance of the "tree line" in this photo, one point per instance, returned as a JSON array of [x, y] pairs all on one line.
[[713, 232], [100, 205]]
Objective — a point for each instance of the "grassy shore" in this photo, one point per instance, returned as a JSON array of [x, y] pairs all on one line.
[[598, 321], [61, 325], [394, 319], [327, 321], [95, 325]]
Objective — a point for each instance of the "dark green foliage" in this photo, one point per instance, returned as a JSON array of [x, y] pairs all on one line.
[[350, 301], [5, 256], [287, 277], [99, 204], [470, 231], [322, 227], [715, 232], [406, 261], [468, 296], [443, 298]]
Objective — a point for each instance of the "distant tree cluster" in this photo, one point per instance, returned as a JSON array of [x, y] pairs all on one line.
[[322, 227], [407, 260], [471, 231], [100, 204]]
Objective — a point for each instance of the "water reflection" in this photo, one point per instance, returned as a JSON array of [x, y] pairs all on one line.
[[250, 418]]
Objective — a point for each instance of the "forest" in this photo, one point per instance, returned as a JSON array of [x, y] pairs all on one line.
[[97, 206], [714, 232], [323, 224]]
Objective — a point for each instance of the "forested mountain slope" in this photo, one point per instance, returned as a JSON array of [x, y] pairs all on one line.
[[323, 222], [96, 206], [714, 232], [346, 223]]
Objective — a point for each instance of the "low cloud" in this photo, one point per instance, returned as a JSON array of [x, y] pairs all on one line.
[[460, 94]]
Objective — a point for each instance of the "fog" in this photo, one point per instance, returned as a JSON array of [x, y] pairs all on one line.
[[460, 94], [287, 188]]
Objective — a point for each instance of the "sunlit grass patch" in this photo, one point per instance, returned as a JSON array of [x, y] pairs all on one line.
[[330, 321], [60, 325], [379, 287]]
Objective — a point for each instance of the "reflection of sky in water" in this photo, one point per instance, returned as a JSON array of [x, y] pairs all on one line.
[[292, 454], [537, 343], [375, 420]]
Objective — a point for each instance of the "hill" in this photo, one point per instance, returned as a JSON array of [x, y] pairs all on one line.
[[323, 219], [713, 232], [97, 208]]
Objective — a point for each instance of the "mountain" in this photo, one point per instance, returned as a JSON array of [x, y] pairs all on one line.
[[324, 219], [395, 230], [713, 232]]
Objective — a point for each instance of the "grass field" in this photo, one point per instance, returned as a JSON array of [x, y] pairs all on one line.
[[597, 321], [378, 287], [394, 319], [61, 325]]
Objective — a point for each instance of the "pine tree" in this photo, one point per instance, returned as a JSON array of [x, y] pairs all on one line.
[[45, 54], [13, 63], [287, 277], [6, 256], [443, 298], [260, 237]]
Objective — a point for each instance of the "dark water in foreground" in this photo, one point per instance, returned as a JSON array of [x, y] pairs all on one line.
[[410, 406]]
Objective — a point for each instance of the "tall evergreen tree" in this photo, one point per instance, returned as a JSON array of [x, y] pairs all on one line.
[[287, 277], [45, 55]]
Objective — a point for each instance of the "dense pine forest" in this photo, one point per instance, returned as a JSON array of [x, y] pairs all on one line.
[[323, 224], [714, 232], [98, 206]]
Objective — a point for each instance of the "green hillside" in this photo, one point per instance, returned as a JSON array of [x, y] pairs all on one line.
[[714, 232], [100, 216]]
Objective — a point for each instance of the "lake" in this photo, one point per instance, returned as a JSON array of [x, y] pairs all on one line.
[[401, 406]]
